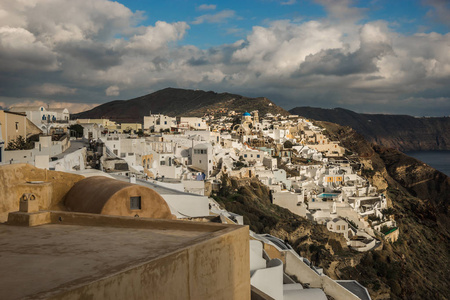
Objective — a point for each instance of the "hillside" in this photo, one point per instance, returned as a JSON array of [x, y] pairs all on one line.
[[178, 102], [402, 132], [414, 267]]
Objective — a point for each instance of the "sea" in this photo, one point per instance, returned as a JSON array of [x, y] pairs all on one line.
[[440, 160]]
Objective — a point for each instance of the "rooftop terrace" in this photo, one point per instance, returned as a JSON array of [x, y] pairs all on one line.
[[82, 249]]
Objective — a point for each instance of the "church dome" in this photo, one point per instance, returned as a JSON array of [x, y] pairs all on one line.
[[246, 114]]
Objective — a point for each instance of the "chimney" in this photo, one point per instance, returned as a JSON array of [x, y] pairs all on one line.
[[28, 203]]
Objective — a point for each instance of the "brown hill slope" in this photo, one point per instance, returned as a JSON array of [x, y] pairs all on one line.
[[416, 266], [402, 132], [178, 102]]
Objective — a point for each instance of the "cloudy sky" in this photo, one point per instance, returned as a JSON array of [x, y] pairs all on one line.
[[376, 56]]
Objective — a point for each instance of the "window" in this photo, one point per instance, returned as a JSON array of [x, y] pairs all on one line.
[[258, 156], [162, 163], [338, 227], [17, 126], [199, 161], [165, 122], [135, 202], [245, 155]]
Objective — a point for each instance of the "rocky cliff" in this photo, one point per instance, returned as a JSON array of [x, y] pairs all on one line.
[[405, 133], [414, 267]]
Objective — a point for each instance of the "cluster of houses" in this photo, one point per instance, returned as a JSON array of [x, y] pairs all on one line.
[[306, 172], [183, 159]]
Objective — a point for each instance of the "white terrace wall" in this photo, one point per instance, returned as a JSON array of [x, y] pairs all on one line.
[[295, 267]]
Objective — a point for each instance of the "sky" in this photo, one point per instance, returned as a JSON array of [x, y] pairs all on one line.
[[371, 56]]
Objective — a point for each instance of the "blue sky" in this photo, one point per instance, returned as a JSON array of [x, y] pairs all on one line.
[[374, 56], [406, 16]]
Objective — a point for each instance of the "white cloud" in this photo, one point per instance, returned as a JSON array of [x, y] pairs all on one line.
[[158, 36], [207, 7], [88, 49], [19, 50], [288, 2], [112, 91], [50, 89], [219, 17]]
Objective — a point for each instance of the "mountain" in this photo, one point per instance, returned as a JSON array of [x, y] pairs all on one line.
[[402, 132], [178, 102]]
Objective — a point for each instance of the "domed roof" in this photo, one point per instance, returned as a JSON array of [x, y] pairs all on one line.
[[246, 114]]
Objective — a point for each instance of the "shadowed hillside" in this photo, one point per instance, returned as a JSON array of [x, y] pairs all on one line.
[[414, 267], [401, 132], [178, 102]]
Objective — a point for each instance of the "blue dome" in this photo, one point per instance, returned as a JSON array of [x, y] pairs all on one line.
[[246, 114]]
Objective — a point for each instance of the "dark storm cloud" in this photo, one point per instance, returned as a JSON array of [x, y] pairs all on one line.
[[93, 55]]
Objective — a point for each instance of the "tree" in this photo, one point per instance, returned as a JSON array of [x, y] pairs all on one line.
[[20, 143], [77, 128], [287, 145], [388, 212]]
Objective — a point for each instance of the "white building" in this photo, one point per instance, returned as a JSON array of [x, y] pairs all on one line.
[[339, 226], [40, 116], [188, 123], [202, 158], [159, 122]]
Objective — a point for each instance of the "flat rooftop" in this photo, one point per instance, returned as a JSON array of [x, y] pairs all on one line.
[[162, 190], [53, 257]]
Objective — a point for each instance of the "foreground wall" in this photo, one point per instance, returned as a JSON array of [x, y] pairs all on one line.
[[216, 267], [48, 186]]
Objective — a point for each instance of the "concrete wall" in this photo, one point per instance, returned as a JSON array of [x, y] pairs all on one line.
[[9, 129], [50, 193], [296, 267], [270, 279], [290, 201], [216, 267], [72, 161], [19, 156], [336, 290], [270, 163], [189, 205]]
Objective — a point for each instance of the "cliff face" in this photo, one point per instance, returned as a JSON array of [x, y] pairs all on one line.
[[405, 133], [416, 266], [178, 102]]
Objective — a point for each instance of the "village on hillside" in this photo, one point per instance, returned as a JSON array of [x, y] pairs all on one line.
[[185, 159]]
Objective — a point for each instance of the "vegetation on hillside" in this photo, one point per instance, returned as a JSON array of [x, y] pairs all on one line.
[[414, 267]]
